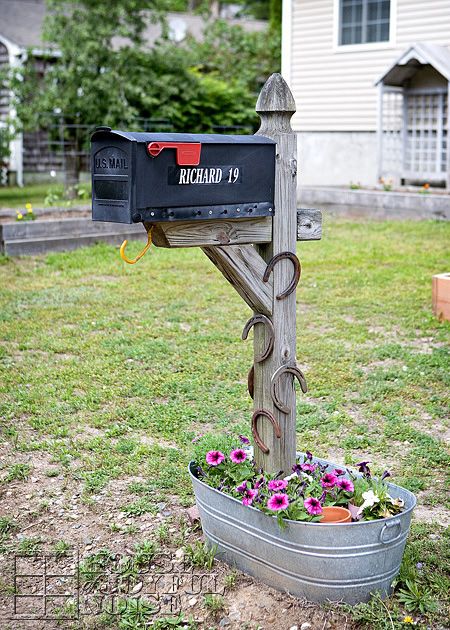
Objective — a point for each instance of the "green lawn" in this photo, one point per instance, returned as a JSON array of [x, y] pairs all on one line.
[[39, 195], [97, 356]]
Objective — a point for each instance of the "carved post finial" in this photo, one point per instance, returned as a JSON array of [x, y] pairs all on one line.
[[275, 106], [275, 96]]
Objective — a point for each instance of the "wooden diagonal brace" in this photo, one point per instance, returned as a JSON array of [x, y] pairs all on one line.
[[244, 268]]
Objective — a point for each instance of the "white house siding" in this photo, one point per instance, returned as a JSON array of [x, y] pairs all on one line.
[[334, 88]]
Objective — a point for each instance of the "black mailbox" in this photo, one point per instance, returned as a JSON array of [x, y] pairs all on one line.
[[157, 177]]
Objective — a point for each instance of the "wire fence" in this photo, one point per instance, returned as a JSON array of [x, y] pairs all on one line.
[[55, 148]]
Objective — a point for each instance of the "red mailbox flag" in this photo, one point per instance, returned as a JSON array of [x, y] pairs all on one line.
[[187, 153]]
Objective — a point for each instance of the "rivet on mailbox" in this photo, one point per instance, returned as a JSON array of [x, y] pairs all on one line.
[[154, 177]]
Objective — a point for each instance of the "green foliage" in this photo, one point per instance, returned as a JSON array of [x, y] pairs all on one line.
[[200, 555], [230, 579], [214, 603], [417, 598], [141, 506], [179, 383], [174, 623], [238, 57], [94, 564], [377, 614], [144, 553], [135, 614], [18, 472], [223, 442], [7, 525], [103, 72], [91, 78], [29, 546], [6, 135], [61, 547], [380, 504]]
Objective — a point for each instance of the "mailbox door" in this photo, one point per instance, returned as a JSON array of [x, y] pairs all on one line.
[[112, 168], [231, 180]]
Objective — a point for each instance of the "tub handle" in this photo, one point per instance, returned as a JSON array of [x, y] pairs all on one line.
[[386, 527]]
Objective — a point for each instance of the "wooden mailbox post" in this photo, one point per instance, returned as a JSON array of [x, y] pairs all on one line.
[[257, 256]]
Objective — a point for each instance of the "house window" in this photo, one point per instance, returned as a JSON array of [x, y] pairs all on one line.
[[364, 21]]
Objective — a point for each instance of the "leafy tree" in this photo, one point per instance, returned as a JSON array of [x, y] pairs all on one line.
[[86, 75], [241, 58], [102, 72], [174, 89]]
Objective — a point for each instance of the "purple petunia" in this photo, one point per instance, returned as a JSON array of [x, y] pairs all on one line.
[[214, 458], [385, 475], [328, 480], [278, 502], [277, 484], [346, 485], [249, 495], [244, 440], [338, 472], [260, 482], [238, 456], [308, 467], [312, 506], [309, 455], [297, 469], [242, 487], [364, 469]]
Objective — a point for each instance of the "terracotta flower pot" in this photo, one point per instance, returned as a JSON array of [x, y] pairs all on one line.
[[336, 514]]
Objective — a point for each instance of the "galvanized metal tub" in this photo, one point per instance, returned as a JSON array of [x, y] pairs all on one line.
[[321, 562]]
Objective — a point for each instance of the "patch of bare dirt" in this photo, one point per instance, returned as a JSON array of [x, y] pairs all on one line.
[[425, 345], [54, 508], [383, 364], [431, 514]]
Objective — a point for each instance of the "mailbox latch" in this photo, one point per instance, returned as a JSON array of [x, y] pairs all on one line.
[[187, 153]]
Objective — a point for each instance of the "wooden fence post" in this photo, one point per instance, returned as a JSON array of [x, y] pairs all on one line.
[[275, 107]]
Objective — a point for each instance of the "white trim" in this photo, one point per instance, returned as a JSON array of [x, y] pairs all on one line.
[[448, 139], [380, 100], [15, 54], [14, 51], [343, 48], [286, 41]]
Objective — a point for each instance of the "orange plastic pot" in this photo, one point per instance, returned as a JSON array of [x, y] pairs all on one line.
[[336, 514]]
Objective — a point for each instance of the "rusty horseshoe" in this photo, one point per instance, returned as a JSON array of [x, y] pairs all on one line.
[[261, 319], [251, 382], [289, 369], [296, 277], [263, 412]]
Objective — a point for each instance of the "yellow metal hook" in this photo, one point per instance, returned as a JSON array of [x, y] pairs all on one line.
[[132, 261]]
